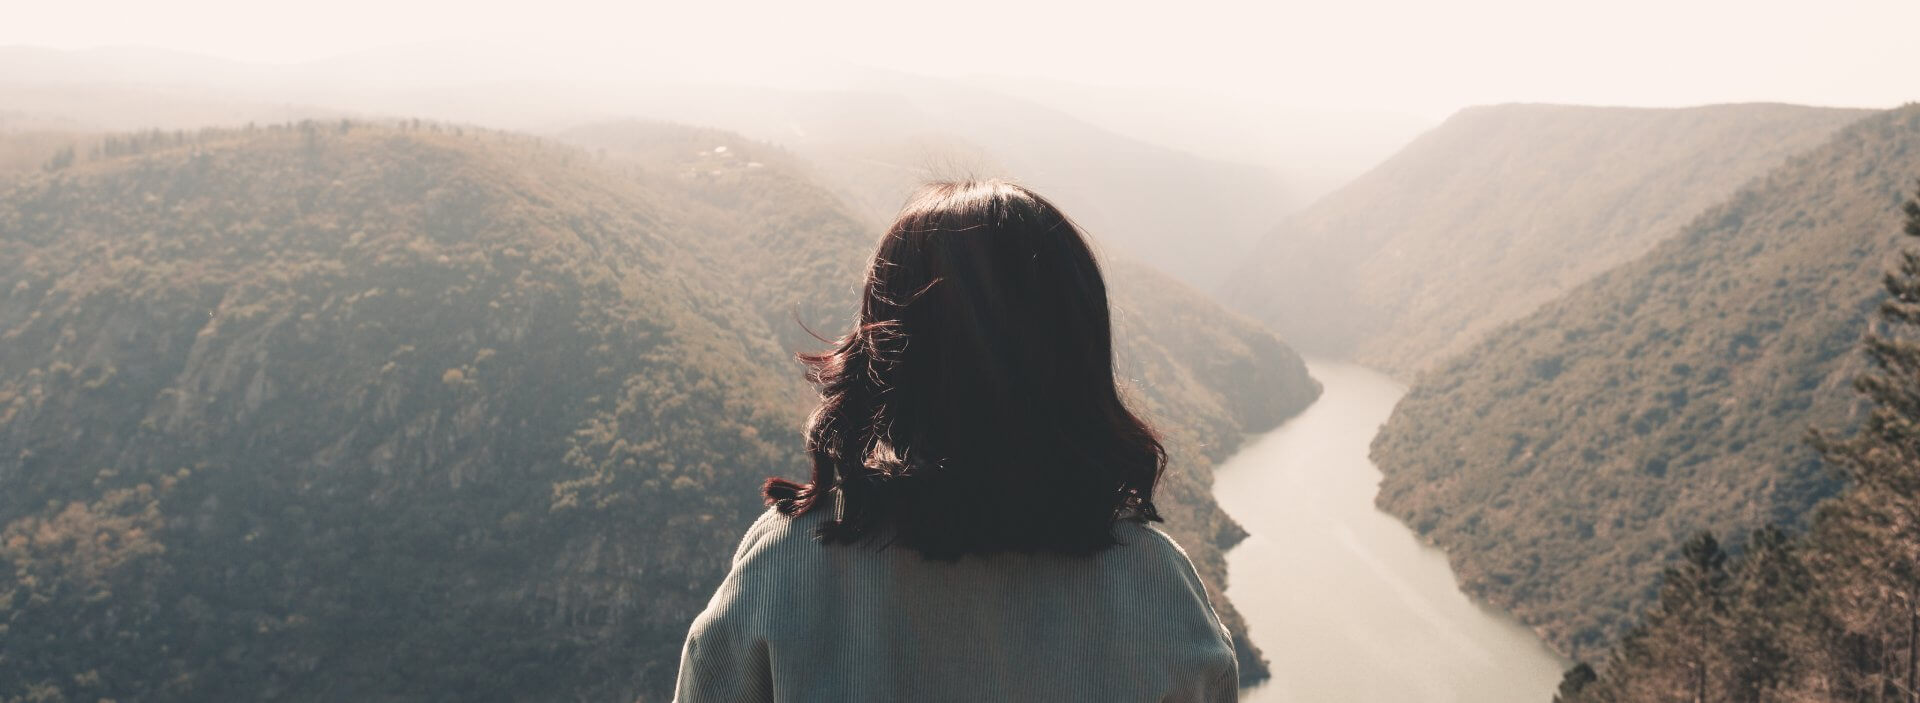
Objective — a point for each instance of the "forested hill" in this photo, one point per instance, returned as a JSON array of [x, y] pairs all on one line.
[[349, 412], [1562, 460], [1206, 377], [1831, 614], [1497, 211], [364, 413]]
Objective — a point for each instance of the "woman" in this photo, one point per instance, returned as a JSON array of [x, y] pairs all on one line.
[[976, 526]]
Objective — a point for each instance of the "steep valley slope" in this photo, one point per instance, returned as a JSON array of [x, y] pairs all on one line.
[[1561, 460]]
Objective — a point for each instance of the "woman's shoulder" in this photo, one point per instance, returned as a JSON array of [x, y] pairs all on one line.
[[1145, 540], [790, 542], [1166, 570], [775, 532]]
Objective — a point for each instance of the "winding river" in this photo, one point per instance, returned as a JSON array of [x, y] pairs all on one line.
[[1346, 603]]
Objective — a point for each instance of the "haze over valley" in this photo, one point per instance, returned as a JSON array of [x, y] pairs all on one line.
[[444, 359]]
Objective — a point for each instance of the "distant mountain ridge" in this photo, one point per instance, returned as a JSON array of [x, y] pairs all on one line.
[[1562, 459], [1192, 216], [1497, 211]]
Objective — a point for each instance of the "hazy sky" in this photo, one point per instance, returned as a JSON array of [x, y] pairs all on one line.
[[1424, 58]]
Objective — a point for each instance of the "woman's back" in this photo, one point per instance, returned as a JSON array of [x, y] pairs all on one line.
[[971, 424], [801, 620]]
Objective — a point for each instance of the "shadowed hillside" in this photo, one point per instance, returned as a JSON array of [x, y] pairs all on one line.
[[1498, 211], [1561, 460]]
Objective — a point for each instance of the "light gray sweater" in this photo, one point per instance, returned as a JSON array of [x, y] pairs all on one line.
[[798, 620]]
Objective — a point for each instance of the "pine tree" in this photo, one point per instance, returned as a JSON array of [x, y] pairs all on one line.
[[1880, 515], [1675, 652], [1694, 595], [1770, 623]]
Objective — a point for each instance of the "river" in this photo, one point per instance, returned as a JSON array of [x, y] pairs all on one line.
[[1346, 603]]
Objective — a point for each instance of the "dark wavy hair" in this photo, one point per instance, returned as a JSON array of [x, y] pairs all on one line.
[[973, 409]]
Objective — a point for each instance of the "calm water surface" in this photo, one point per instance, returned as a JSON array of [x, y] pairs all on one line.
[[1344, 601]]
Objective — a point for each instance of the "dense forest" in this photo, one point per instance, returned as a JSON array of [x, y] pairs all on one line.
[[334, 412], [408, 411], [1831, 614], [1498, 211], [1563, 460]]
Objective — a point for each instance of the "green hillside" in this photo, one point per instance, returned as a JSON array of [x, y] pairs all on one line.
[[1561, 460], [1498, 211], [344, 412]]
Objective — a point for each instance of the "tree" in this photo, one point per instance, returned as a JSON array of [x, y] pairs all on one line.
[[61, 159], [1881, 514], [1675, 653], [1573, 682], [1694, 594], [1770, 625]]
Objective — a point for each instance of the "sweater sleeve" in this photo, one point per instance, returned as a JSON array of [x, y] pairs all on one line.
[[719, 665], [1215, 671], [725, 657], [1224, 687]]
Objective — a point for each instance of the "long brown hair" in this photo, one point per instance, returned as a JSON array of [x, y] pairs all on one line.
[[973, 409]]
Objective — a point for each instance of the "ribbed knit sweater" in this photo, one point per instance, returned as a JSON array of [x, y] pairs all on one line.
[[799, 620]]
